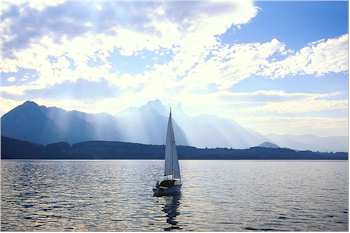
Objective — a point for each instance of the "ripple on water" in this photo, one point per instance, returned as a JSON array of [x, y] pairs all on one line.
[[216, 196], [27, 205]]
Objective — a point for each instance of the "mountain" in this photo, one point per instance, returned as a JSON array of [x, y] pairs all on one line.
[[268, 145], [40, 124], [11, 147], [145, 124], [18, 149], [149, 122], [212, 131], [311, 142]]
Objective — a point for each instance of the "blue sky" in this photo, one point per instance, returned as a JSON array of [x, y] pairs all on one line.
[[295, 23], [272, 66]]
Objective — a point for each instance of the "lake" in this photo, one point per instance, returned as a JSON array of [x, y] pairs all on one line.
[[116, 195]]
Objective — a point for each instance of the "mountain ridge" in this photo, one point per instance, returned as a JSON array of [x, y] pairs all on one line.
[[268, 145], [145, 124], [19, 149]]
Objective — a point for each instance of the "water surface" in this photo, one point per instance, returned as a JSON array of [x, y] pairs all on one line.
[[116, 195]]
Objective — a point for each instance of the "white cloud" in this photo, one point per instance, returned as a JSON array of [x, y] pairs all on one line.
[[137, 30], [317, 58], [11, 79], [265, 101], [297, 125], [199, 58], [190, 32], [276, 102], [267, 96], [34, 4], [229, 65], [300, 106]]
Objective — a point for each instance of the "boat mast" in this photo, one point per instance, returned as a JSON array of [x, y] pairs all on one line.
[[172, 152]]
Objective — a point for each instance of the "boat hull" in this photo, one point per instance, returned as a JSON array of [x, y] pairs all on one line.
[[167, 191]]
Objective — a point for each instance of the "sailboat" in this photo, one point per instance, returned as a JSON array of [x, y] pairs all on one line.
[[170, 183]]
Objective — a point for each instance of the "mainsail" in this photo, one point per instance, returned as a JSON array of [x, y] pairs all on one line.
[[172, 167]]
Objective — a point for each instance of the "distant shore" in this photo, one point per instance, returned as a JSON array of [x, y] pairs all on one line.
[[90, 150]]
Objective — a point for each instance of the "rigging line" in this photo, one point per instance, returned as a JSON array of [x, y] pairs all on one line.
[[171, 144]]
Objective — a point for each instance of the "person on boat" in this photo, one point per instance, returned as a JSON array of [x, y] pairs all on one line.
[[165, 183]]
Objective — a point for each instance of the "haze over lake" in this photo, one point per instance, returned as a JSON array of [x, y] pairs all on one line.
[[116, 195]]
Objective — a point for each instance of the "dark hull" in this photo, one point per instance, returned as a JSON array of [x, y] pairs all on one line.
[[167, 191]]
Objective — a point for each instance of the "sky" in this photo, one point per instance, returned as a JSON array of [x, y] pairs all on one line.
[[276, 67]]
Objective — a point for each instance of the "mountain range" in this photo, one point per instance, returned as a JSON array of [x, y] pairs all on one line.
[[19, 149], [146, 124]]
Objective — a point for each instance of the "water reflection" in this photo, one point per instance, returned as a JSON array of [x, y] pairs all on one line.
[[170, 207], [216, 196]]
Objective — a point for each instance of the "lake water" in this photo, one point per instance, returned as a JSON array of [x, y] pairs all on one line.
[[216, 196]]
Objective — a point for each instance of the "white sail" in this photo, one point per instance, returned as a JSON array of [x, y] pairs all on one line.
[[172, 167]]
